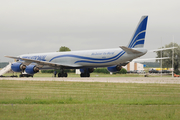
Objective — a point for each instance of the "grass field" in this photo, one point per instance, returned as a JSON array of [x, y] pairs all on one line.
[[79, 101]]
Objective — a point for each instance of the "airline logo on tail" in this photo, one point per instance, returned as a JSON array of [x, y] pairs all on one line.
[[138, 38]]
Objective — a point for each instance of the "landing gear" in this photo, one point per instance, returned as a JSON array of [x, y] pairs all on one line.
[[85, 75], [62, 73], [85, 72], [25, 75]]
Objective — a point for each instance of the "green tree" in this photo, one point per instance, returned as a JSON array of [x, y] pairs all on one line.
[[63, 49], [167, 63], [123, 71]]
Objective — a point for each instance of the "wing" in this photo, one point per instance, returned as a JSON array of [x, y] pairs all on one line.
[[42, 63]]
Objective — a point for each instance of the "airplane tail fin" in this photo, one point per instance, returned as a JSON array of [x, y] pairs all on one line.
[[138, 37]]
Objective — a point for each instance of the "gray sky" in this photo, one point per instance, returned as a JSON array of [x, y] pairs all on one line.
[[34, 26]]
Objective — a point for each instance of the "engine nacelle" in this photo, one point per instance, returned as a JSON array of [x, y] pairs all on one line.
[[18, 67], [114, 68], [31, 69], [87, 70]]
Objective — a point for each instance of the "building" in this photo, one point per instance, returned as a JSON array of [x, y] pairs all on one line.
[[134, 66]]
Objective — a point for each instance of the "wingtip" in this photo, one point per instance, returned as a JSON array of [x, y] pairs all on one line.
[[6, 56], [12, 57]]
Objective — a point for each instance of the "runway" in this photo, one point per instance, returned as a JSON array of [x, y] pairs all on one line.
[[158, 80]]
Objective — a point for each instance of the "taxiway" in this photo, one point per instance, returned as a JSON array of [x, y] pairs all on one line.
[[158, 80]]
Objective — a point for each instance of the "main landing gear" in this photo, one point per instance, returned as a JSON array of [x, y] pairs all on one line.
[[85, 72], [25, 75], [85, 75], [62, 73]]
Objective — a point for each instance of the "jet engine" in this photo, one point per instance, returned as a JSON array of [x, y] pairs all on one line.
[[31, 69], [18, 67], [114, 68]]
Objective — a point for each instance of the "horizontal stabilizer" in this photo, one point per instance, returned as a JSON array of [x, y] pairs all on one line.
[[129, 50]]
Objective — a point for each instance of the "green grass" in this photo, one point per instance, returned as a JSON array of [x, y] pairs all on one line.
[[71, 100]]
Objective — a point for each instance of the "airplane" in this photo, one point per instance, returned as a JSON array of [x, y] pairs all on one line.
[[85, 60]]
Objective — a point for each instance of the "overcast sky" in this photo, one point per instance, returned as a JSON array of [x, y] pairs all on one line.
[[35, 26]]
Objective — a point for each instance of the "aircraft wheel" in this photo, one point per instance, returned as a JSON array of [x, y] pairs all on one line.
[[82, 75], [20, 75], [85, 75], [62, 75], [59, 75], [88, 75], [65, 75]]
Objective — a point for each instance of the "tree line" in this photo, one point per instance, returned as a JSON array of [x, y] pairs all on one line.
[[98, 70]]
